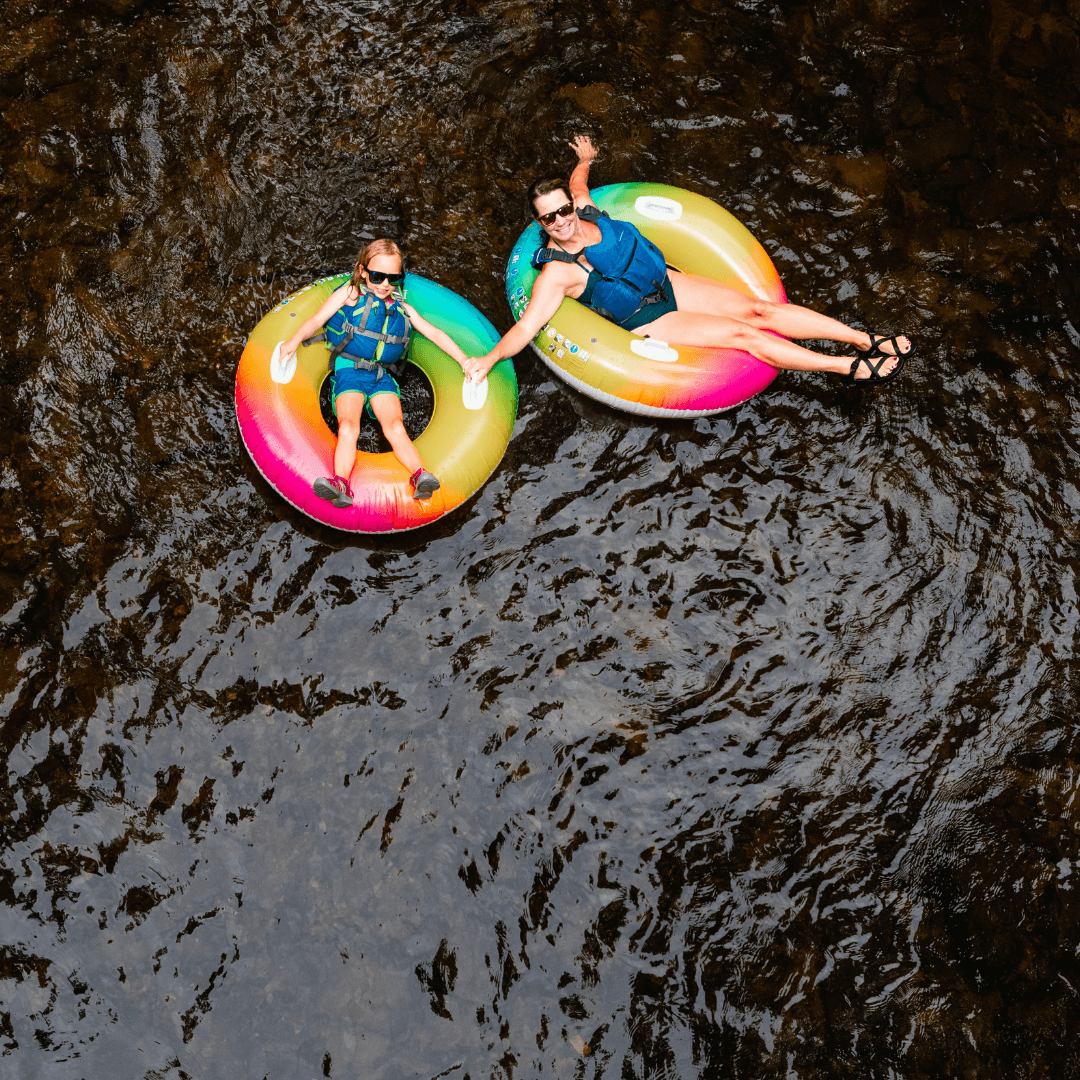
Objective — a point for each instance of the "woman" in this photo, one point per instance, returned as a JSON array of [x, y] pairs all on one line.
[[587, 258], [367, 329]]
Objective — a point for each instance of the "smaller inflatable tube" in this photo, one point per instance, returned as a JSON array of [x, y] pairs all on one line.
[[291, 444], [646, 376]]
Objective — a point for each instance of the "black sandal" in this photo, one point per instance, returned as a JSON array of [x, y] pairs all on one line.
[[875, 347], [875, 378], [868, 357]]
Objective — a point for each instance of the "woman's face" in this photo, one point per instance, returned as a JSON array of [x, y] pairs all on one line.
[[562, 228], [386, 264]]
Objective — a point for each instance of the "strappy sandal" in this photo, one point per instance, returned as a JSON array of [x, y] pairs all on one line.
[[875, 353], [876, 342]]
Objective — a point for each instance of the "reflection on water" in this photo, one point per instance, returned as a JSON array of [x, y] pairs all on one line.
[[741, 747]]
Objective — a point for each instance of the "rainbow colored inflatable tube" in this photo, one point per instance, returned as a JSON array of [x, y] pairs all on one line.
[[290, 443], [644, 375]]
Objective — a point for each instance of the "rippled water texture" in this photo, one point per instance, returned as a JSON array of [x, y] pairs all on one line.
[[735, 748]]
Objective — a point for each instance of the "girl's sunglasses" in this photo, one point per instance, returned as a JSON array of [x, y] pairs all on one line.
[[566, 210], [377, 277]]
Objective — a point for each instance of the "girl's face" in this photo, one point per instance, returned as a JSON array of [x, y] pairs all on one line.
[[382, 264]]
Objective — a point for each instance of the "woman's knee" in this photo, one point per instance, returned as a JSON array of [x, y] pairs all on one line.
[[759, 313], [755, 342], [745, 336]]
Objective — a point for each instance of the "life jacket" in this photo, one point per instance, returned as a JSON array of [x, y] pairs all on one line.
[[630, 267], [373, 332]]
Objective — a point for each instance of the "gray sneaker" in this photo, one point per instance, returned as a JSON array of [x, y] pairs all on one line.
[[424, 485], [335, 489]]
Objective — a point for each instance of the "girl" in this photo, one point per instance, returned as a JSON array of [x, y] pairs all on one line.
[[367, 328]]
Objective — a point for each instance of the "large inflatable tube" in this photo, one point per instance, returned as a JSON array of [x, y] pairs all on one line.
[[289, 441], [644, 375]]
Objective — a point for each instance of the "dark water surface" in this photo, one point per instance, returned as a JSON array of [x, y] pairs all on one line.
[[742, 747]]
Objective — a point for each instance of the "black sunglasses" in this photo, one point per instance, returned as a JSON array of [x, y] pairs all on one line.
[[566, 210], [377, 277]]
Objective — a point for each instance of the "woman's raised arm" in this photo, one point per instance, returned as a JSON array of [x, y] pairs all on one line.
[[579, 178]]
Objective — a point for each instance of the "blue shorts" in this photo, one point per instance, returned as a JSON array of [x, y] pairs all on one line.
[[349, 380]]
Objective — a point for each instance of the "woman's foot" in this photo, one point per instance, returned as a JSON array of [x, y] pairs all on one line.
[[868, 372], [881, 361], [424, 485], [894, 345], [335, 489]]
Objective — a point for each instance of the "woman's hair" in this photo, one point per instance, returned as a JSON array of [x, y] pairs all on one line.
[[376, 247], [545, 186]]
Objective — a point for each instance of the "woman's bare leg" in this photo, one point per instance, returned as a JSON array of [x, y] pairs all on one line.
[[349, 410], [700, 295], [387, 408], [690, 328]]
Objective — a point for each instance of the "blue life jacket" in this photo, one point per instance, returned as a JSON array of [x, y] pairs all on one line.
[[628, 267], [373, 330]]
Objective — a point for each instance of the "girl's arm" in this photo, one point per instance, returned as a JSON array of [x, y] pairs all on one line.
[[434, 334], [579, 178], [548, 293], [316, 322]]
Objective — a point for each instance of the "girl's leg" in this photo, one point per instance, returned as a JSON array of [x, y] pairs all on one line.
[[706, 297], [387, 409], [690, 328], [349, 407]]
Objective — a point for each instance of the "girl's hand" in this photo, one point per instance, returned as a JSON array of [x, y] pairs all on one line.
[[477, 367], [583, 147], [288, 351]]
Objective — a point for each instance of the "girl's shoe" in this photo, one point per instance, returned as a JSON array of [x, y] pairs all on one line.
[[424, 485], [335, 488]]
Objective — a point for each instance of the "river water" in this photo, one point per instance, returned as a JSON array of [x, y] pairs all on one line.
[[740, 747]]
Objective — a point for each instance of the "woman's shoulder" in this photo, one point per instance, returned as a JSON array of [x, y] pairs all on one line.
[[589, 211], [554, 260]]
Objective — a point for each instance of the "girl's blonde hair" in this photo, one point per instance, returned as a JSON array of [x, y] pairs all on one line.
[[376, 247]]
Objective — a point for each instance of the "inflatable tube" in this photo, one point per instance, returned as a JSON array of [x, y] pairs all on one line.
[[646, 376], [291, 445]]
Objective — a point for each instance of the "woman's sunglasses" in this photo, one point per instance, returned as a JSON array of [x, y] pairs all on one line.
[[377, 277], [563, 211]]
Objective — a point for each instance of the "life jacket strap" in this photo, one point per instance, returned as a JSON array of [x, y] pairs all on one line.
[[338, 349], [588, 212], [652, 298], [546, 255], [369, 365], [389, 339], [357, 363]]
